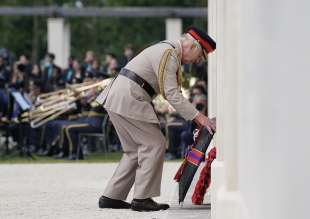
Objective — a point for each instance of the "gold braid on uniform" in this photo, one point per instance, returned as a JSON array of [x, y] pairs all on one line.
[[67, 129], [62, 133], [162, 71]]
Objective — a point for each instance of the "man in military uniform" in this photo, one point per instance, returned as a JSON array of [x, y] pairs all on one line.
[[157, 69]]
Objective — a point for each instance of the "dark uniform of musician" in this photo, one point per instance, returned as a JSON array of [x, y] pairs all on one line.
[[52, 132], [91, 123], [51, 74], [157, 69]]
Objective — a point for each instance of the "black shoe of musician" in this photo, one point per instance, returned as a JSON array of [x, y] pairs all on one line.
[[147, 205], [40, 152], [105, 202], [50, 151], [76, 157], [61, 155], [72, 157]]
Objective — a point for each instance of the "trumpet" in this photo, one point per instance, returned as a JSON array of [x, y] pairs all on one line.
[[49, 106]]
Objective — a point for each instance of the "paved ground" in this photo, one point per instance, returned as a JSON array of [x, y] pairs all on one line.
[[72, 191]]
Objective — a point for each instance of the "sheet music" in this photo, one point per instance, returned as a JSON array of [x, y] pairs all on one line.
[[21, 101]]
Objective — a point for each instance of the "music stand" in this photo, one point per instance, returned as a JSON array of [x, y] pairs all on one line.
[[25, 104], [21, 101]]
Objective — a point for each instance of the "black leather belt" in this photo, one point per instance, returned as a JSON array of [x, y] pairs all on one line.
[[140, 81]]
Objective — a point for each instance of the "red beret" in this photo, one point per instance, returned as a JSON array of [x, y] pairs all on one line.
[[206, 42]]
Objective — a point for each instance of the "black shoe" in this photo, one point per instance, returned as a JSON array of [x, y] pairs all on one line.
[[72, 157], [105, 202], [40, 152], [147, 205], [80, 157], [52, 150], [48, 151], [61, 155], [45, 152], [76, 157], [80, 154]]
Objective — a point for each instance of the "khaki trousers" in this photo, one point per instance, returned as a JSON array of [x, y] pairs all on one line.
[[142, 161]]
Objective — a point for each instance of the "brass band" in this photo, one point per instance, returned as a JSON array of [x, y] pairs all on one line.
[[51, 105]]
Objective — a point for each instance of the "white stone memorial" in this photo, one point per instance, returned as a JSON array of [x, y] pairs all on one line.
[[262, 85]]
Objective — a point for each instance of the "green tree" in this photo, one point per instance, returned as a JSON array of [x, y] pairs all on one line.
[[28, 34]]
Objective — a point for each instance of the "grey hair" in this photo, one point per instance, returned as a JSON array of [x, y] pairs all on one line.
[[187, 36]]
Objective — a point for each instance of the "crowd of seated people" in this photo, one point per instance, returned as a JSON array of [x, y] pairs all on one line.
[[32, 79], [60, 137]]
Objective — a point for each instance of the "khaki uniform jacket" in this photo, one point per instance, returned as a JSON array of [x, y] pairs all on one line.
[[123, 96]]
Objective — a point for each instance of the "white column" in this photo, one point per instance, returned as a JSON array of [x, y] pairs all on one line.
[[230, 91], [227, 197], [217, 26], [265, 121], [220, 33], [218, 164], [274, 109], [212, 60], [59, 40], [173, 28]]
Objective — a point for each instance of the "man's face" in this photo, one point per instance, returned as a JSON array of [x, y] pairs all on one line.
[[108, 58], [23, 60], [76, 65], [48, 59], [89, 57], [128, 52], [192, 53]]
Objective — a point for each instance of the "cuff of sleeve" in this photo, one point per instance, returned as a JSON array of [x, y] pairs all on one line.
[[191, 116], [196, 114]]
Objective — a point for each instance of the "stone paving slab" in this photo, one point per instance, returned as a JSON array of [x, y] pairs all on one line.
[[72, 191]]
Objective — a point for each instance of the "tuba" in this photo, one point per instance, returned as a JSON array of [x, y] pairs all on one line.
[[48, 106]]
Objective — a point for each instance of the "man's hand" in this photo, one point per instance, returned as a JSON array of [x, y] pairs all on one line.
[[202, 120]]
